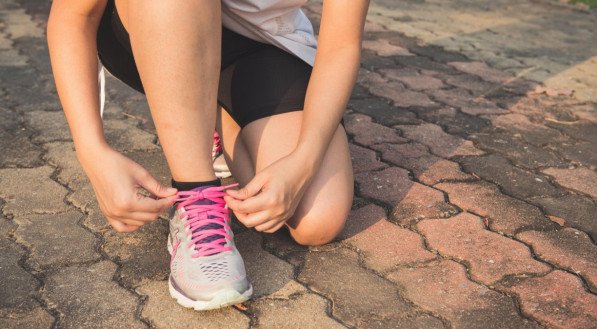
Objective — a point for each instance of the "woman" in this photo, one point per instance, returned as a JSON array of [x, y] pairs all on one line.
[[283, 98]]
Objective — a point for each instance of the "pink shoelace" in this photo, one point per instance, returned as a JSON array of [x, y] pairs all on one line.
[[208, 223]]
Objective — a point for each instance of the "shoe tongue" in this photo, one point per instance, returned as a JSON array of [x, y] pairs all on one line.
[[210, 226]]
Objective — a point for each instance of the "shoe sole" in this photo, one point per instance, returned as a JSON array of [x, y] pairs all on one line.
[[222, 299]]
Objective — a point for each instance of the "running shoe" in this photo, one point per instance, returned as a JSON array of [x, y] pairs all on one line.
[[217, 156], [206, 269]]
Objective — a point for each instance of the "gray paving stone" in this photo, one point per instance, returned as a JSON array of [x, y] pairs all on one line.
[[300, 311], [162, 311], [454, 121], [267, 273], [512, 180], [358, 296], [383, 112], [577, 211], [367, 133], [88, 298], [43, 194], [142, 255], [49, 126], [124, 135], [364, 159], [440, 143], [56, 239], [63, 156], [17, 150], [34, 319], [17, 286]]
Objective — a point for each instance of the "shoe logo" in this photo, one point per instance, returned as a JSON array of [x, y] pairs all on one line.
[[175, 245]]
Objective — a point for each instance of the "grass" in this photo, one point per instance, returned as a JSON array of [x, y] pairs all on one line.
[[591, 3]]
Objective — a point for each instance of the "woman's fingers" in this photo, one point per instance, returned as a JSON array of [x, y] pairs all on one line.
[[122, 227], [270, 226], [145, 204], [254, 204], [255, 219]]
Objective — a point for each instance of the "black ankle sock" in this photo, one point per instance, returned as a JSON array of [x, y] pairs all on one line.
[[187, 186]]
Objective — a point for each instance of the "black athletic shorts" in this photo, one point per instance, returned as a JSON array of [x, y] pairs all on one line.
[[257, 80]]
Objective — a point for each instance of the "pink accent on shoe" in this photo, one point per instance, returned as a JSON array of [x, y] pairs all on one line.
[[200, 215], [217, 147], [174, 249]]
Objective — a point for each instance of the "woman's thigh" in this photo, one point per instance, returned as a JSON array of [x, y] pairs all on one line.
[[324, 207]]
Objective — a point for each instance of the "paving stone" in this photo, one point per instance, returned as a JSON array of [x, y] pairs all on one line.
[[557, 300], [438, 141], [506, 215], [94, 306], [443, 288], [415, 82], [490, 256], [124, 135], [368, 230], [162, 311], [367, 133], [383, 48], [364, 159], [142, 255], [410, 201], [463, 100], [427, 168], [17, 286], [17, 150], [49, 126], [36, 318], [424, 63], [455, 122], [567, 248], [400, 96], [471, 83], [579, 152], [382, 112], [577, 211], [481, 70], [357, 295], [266, 272], [578, 130], [63, 156], [301, 311], [51, 238], [371, 61], [512, 180], [518, 151], [581, 179], [46, 197], [531, 132]]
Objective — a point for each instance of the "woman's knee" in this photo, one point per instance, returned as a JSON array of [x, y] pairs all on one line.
[[318, 228]]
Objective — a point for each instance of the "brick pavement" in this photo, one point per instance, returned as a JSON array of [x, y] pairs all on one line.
[[475, 199]]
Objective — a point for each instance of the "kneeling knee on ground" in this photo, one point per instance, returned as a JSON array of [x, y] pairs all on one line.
[[317, 230]]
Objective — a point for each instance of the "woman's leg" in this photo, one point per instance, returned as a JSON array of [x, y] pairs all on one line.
[[322, 212], [177, 49]]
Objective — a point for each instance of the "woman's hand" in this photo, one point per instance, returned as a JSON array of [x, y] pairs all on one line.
[[272, 196], [117, 182]]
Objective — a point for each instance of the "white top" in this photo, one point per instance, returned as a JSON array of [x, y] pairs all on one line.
[[281, 23]]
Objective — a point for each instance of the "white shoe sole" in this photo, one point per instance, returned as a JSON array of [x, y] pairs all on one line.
[[224, 298]]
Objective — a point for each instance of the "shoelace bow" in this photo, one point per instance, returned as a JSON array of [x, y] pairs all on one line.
[[199, 226]]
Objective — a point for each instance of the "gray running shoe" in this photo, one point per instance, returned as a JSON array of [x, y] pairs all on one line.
[[206, 269]]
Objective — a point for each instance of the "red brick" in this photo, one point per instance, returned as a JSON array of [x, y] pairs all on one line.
[[506, 215], [367, 133], [399, 95], [557, 300], [367, 78], [440, 143], [581, 179], [384, 48], [490, 256], [443, 170], [410, 201], [384, 245], [443, 288], [364, 159], [481, 70], [568, 248]]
